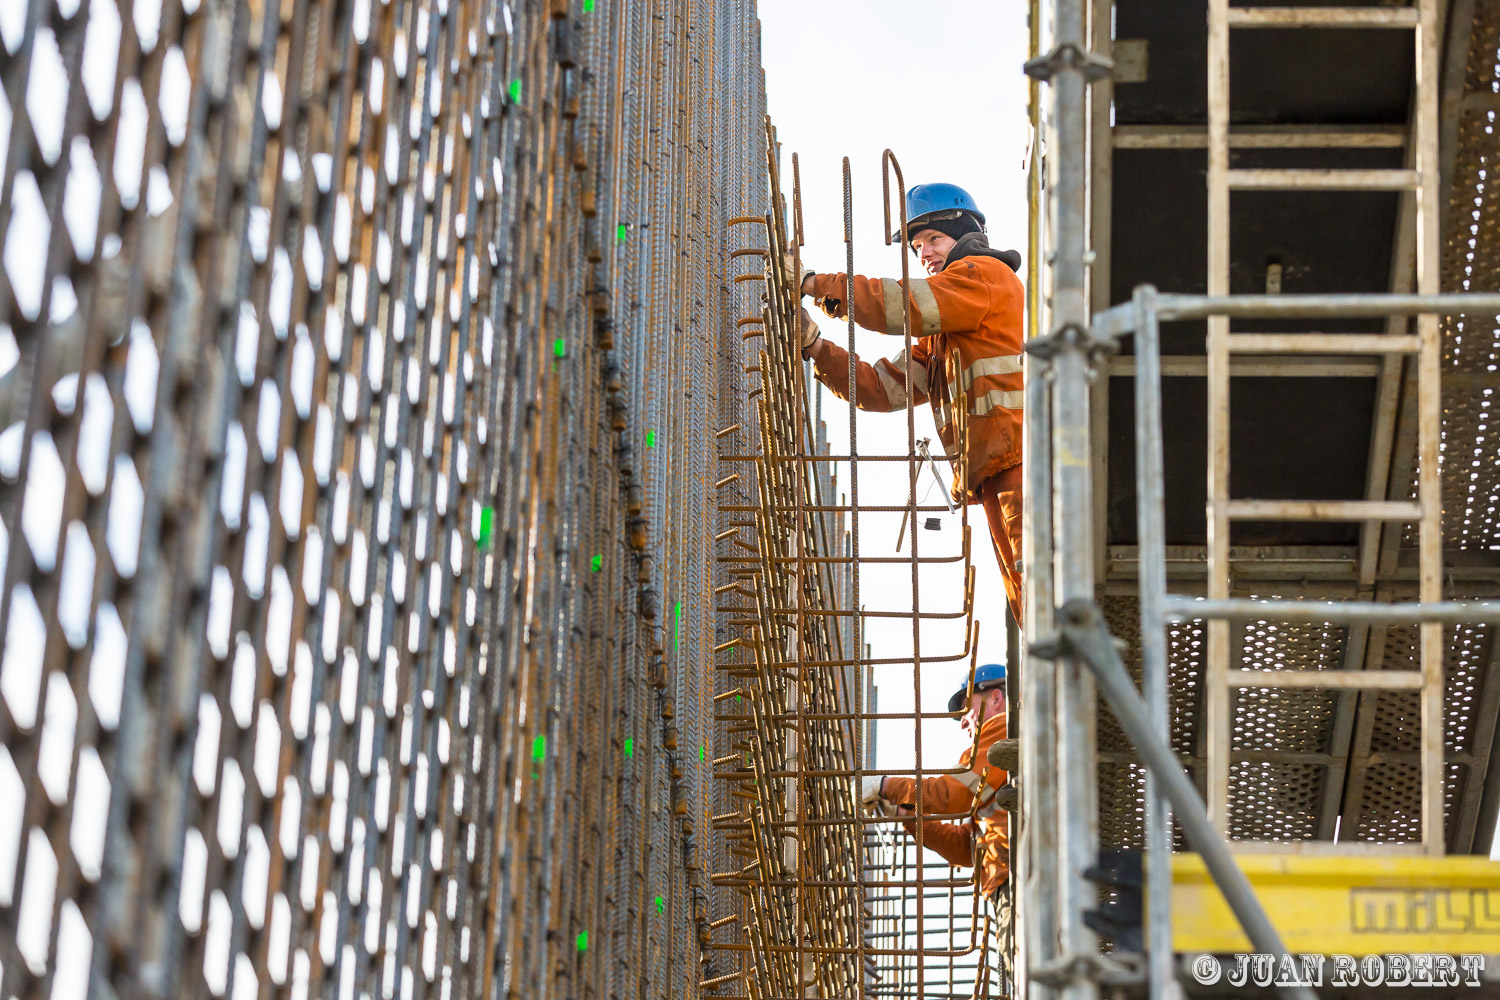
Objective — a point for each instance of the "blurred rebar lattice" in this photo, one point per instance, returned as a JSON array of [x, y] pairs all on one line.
[[358, 491], [425, 573]]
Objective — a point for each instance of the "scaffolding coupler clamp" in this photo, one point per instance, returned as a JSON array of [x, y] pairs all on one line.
[[1074, 615], [1070, 336], [1070, 56]]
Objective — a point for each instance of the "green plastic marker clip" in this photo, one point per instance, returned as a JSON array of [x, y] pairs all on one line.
[[486, 526], [629, 747], [650, 439], [679, 624], [622, 232], [588, 6], [598, 563], [515, 91], [661, 904], [583, 940], [539, 749], [739, 697], [560, 347], [703, 753]]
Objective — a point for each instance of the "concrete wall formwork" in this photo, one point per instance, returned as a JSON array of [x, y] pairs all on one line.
[[358, 534]]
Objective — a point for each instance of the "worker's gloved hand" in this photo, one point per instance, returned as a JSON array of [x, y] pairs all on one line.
[[869, 791], [832, 307], [808, 331], [794, 276]]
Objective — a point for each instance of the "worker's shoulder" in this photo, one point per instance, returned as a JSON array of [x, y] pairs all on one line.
[[981, 268]]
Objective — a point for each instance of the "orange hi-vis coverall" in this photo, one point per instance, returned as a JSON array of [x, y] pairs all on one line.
[[966, 324], [987, 834]]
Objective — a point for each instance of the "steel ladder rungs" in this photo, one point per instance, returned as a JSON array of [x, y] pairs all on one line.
[[1323, 180], [1321, 343], [1331, 848], [1321, 510], [1323, 17], [1359, 680], [1181, 607]]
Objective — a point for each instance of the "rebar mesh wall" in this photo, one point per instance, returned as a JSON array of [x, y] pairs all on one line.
[[357, 493], [820, 897]]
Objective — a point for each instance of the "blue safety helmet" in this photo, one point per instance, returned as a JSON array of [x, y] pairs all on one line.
[[925, 202], [991, 675]]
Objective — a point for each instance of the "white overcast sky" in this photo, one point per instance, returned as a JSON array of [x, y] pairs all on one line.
[[940, 84]]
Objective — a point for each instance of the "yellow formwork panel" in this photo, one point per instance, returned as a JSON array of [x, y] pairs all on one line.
[[1354, 905]]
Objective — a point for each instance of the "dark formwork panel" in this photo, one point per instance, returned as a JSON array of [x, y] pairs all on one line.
[[1328, 76], [1289, 439]]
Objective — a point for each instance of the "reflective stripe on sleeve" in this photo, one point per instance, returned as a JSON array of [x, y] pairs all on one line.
[[893, 379], [893, 317], [894, 386], [971, 781], [927, 307]]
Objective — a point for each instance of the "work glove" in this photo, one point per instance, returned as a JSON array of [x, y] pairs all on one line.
[[830, 305], [1008, 797], [1005, 754], [808, 331], [794, 276]]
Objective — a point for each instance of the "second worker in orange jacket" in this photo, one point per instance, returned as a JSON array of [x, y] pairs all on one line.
[[974, 829], [966, 325]]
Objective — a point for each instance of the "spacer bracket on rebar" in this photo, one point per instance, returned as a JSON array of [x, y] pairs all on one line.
[[1070, 336], [1070, 56], [1107, 970]]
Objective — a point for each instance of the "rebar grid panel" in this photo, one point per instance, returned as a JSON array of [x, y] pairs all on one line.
[[354, 499], [955, 923], [826, 901]]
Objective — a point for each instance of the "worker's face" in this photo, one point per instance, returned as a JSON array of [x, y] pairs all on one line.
[[986, 705], [931, 248]]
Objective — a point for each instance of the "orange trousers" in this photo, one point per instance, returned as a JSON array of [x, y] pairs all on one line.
[[1001, 496]]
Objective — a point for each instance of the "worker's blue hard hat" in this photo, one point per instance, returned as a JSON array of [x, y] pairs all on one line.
[[925, 202], [991, 675]]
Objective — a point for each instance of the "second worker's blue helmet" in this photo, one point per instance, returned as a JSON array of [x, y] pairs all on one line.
[[934, 202], [991, 675]]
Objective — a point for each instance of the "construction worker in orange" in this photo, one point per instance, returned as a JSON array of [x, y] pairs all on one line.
[[966, 326], [981, 791]]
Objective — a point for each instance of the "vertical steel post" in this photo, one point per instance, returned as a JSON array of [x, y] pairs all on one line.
[[1037, 827], [1151, 540], [1072, 725], [1429, 422], [1216, 673]]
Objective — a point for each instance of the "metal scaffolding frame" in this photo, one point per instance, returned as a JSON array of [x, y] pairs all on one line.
[[1063, 960]]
